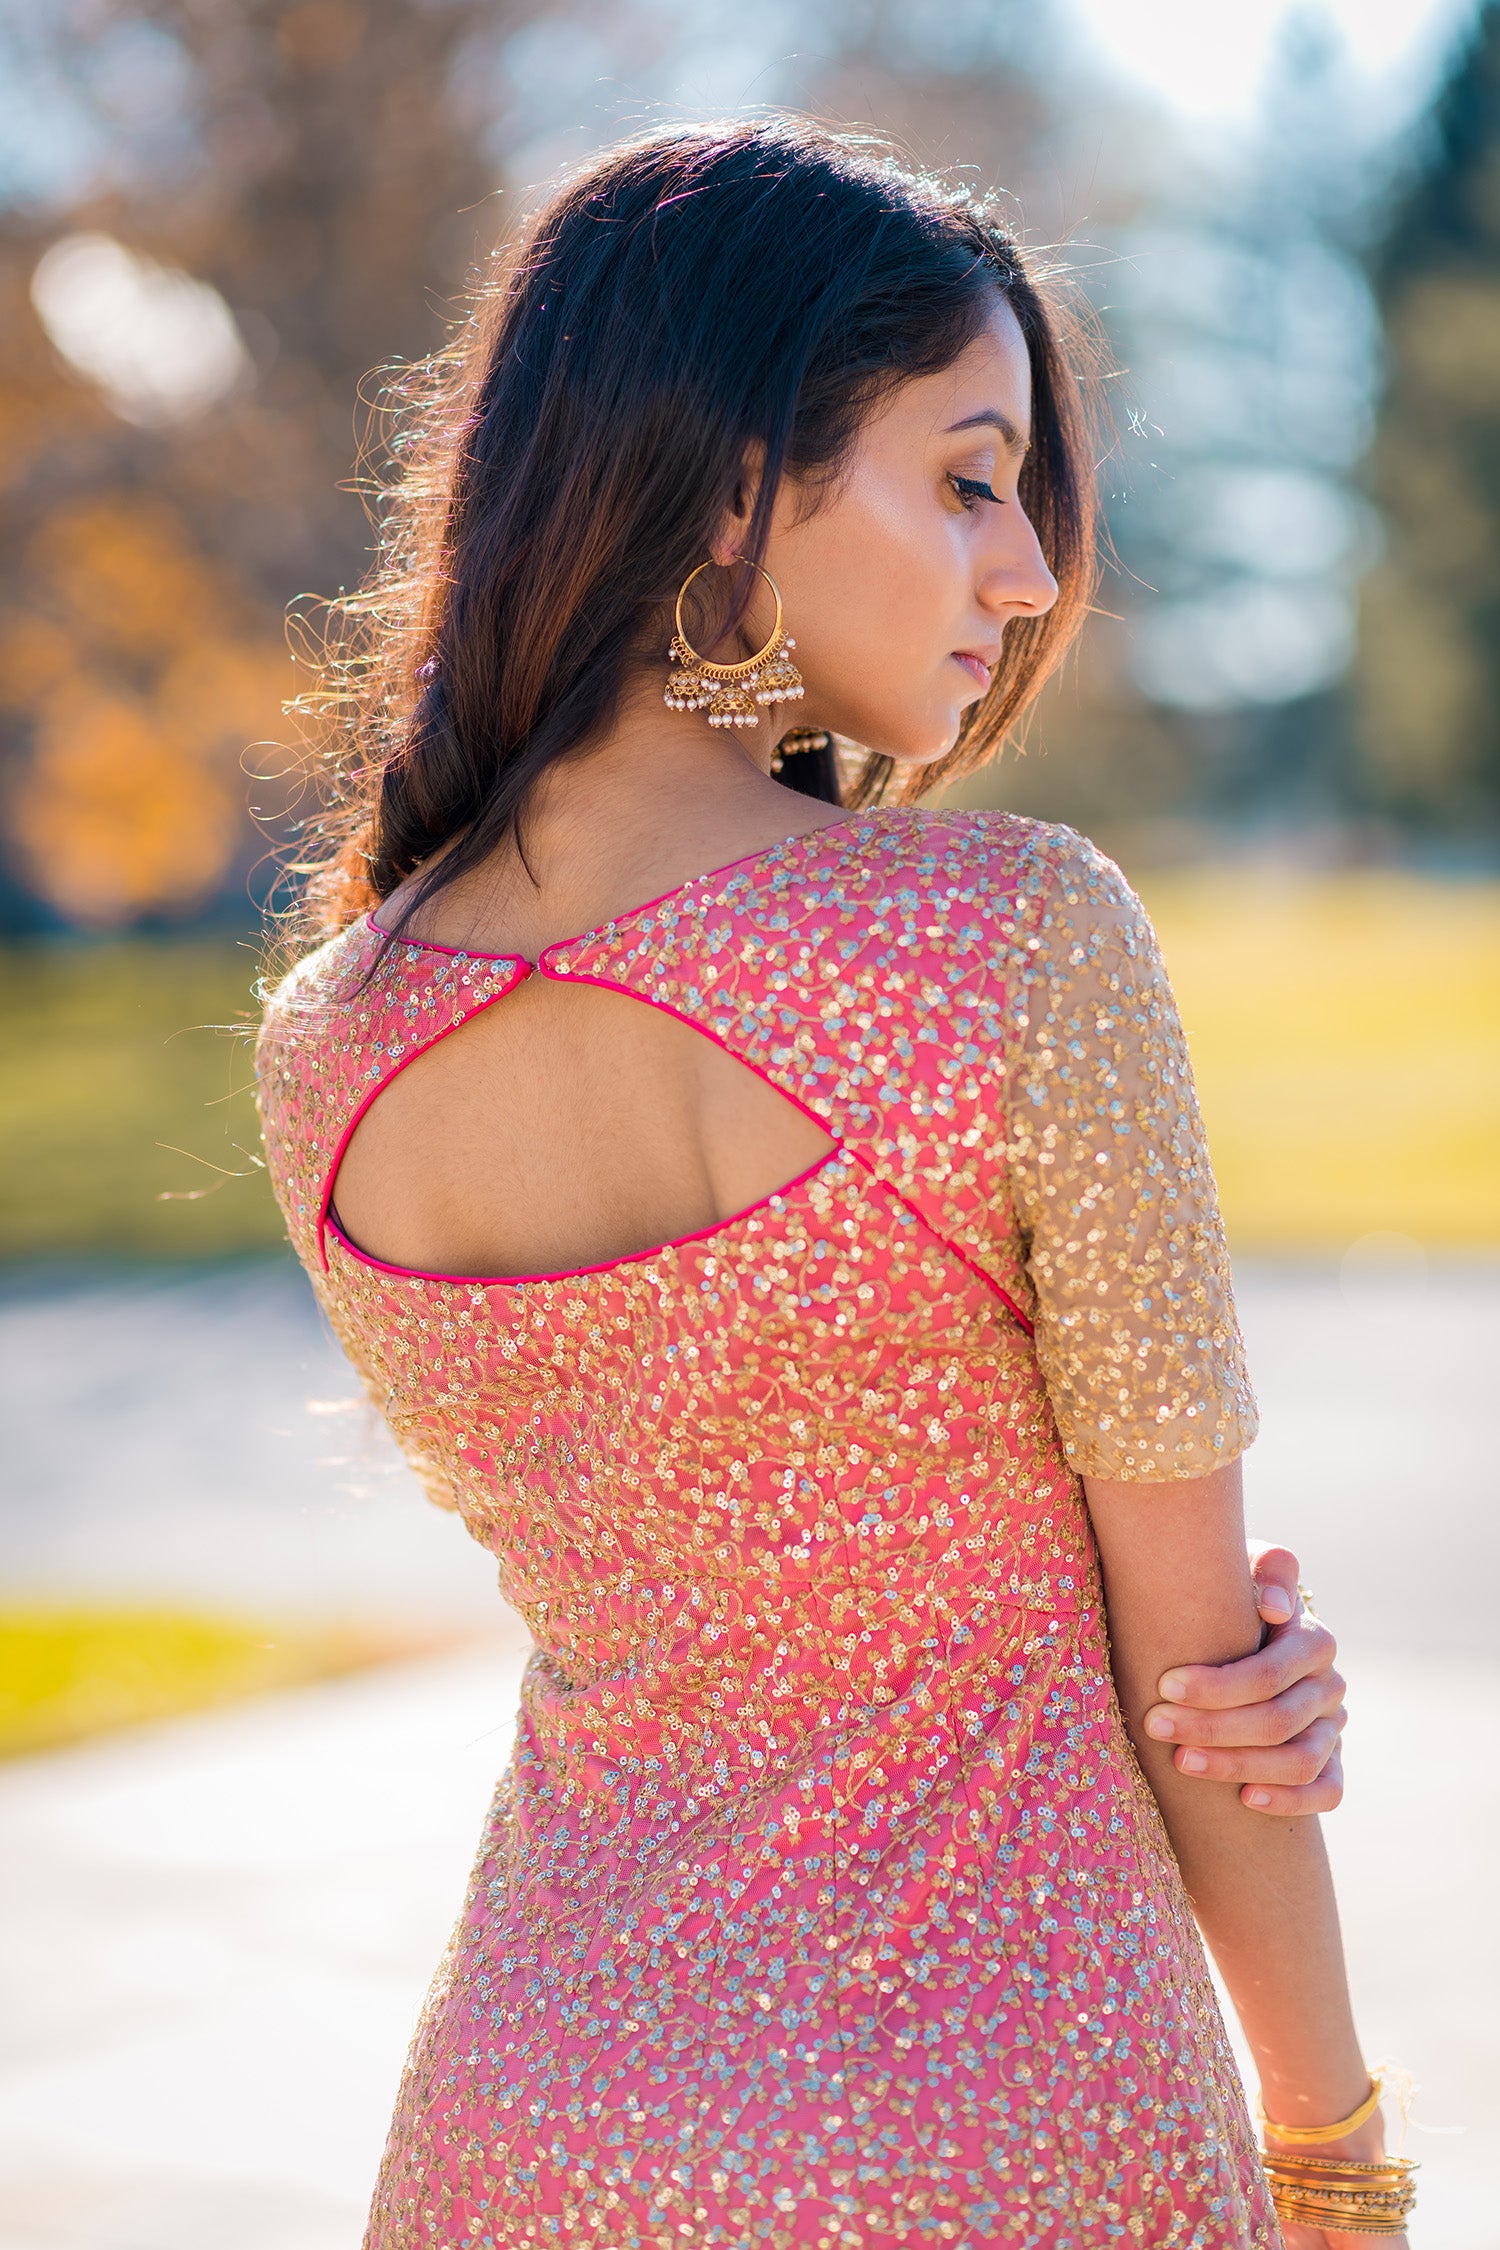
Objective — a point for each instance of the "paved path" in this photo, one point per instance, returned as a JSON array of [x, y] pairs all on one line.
[[214, 1934], [198, 1436]]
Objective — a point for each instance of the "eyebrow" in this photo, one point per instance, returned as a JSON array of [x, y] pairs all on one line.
[[992, 418]]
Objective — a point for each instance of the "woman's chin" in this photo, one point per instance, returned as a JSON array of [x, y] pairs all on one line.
[[918, 738], [922, 743], [932, 744]]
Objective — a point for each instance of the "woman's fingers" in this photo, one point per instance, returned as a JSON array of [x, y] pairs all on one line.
[[1283, 1803], [1276, 1572], [1279, 1719], [1288, 1765], [1304, 1651], [1269, 1723]]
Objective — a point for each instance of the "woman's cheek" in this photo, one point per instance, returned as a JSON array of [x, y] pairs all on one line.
[[883, 591], [906, 589]]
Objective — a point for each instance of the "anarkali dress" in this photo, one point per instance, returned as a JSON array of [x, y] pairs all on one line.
[[823, 1902]]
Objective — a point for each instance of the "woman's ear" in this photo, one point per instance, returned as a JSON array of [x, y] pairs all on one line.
[[731, 536]]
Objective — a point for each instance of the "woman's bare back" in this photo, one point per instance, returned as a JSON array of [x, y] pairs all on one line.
[[566, 1124]]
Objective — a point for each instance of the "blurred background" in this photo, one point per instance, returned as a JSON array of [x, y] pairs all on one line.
[[253, 1692]]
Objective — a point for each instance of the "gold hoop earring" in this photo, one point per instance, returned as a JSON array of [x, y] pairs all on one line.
[[731, 691]]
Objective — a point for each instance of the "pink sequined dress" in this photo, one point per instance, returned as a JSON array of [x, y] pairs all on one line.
[[822, 1902]]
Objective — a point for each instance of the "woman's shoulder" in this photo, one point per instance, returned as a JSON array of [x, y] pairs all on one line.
[[1043, 869], [300, 999]]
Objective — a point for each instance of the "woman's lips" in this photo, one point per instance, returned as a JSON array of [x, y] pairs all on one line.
[[975, 667]]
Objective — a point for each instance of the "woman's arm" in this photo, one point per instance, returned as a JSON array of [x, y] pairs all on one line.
[[1178, 1590], [1115, 1208]]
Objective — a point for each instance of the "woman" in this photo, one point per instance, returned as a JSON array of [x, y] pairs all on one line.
[[776, 1215]]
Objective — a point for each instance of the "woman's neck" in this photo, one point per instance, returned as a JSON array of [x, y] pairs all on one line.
[[661, 797]]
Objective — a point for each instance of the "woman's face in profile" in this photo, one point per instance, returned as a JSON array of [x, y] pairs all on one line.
[[898, 584]]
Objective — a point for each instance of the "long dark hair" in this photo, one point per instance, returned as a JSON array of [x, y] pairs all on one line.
[[558, 468]]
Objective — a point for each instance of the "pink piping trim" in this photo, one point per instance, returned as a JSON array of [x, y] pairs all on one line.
[[572, 1273], [630, 912], [664, 1007], [607, 984], [379, 1088], [501, 1281], [948, 1243], [636, 1257]]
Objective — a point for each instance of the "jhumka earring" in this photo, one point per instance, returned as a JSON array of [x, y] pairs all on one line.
[[731, 691]]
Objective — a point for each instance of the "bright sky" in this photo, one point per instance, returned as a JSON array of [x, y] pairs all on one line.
[[1206, 57]]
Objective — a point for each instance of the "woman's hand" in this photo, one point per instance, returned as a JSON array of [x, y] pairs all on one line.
[[1296, 2237], [1272, 1720], [1366, 2145]]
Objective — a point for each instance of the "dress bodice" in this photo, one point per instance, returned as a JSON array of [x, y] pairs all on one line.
[[802, 1403], [973, 1004]]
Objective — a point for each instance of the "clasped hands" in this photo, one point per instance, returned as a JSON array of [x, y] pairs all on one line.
[[1270, 1721]]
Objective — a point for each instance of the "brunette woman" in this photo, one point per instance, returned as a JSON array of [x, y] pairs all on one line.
[[774, 1212]]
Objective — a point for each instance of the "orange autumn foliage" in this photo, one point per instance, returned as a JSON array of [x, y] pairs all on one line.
[[143, 684]]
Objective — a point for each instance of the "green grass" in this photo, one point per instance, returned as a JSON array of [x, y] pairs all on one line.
[[1345, 1037], [126, 1121], [69, 1674]]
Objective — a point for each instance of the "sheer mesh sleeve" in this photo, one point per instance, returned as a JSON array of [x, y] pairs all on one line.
[[1137, 1335]]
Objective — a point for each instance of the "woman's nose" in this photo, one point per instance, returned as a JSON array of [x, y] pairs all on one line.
[[1021, 576]]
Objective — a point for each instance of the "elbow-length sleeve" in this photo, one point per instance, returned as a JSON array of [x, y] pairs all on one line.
[[1136, 1330]]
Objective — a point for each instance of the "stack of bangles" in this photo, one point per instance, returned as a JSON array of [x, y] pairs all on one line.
[[1334, 2191]]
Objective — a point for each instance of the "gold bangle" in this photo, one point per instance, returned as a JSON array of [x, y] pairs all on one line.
[[1349, 2194], [1307, 2136], [1290, 2212], [1392, 2177], [1342, 2193]]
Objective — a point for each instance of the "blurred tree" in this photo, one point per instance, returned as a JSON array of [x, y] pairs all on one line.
[[219, 219], [296, 210], [1250, 335], [141, 673], [1426, 685]]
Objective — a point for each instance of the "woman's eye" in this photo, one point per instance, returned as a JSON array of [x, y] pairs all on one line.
[[970, 489]]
